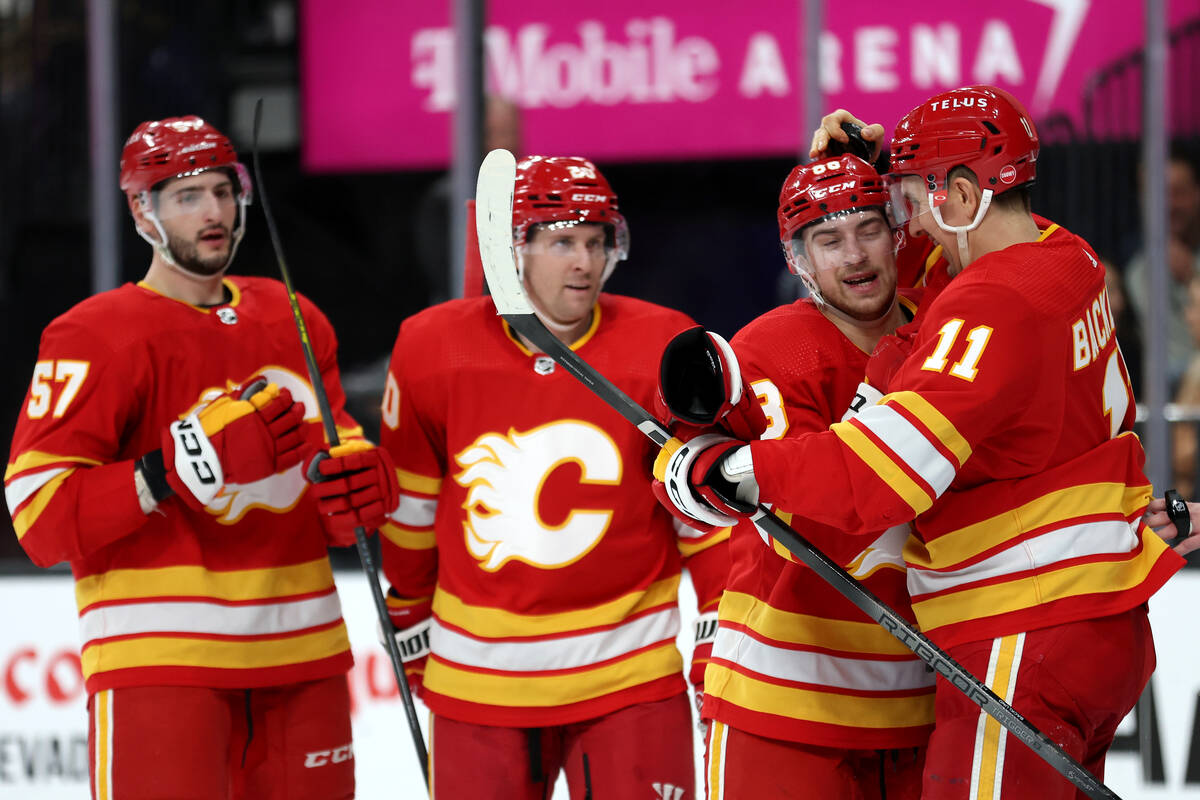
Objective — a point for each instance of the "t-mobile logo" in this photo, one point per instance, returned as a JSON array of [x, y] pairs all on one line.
[[668, 791]]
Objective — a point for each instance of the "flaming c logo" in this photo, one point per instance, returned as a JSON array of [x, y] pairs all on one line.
[[279, 492], [504, 477]]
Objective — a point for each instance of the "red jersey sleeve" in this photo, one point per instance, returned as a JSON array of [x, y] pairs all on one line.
[[68, 485], [412, 431], [969, 375]]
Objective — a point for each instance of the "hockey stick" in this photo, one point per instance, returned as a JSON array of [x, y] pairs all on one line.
[[360, 535], [493, 210]]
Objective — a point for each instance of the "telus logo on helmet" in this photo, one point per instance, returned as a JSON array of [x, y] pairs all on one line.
[[967, 102]]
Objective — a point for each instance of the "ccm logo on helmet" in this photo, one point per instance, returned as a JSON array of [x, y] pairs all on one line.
[[589, 198], [817, 192], [969, 102], [337, 755]]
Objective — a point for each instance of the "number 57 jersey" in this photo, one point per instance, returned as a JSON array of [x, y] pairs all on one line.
[[526, 514]]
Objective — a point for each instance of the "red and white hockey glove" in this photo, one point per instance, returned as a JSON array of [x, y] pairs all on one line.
[[240, 437], [707, 482], [355, 485], [700, 385], [410, 624], [706, 635]]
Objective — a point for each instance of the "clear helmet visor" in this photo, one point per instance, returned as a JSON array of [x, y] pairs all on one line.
[[908, 198], [223, 189], [610, 245], [840, 240]]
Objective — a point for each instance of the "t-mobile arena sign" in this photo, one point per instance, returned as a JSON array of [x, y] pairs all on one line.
[[678, 79]]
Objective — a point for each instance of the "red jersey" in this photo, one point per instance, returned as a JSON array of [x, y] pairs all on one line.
[[1007, 435], [526, 513], [238, 595], [793, 659]]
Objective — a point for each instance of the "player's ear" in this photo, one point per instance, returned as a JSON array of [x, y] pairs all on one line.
[[966, 193], [137, 207]]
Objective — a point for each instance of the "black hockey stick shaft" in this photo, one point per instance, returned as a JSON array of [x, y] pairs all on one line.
[[494, 220], [360, 534]]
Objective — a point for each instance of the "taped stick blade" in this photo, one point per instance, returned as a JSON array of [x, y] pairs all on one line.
[[493, 224]]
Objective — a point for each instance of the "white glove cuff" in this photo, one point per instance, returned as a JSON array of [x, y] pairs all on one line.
[[412, 642], [706, 628], [196, 462], [679, 488], [865, 395]]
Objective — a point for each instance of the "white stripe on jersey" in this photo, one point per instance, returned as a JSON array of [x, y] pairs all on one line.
[[559, 652]]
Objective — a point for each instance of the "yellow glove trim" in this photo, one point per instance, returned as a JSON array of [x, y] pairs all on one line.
[[664, 455]]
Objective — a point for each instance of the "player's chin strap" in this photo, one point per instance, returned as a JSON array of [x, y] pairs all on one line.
[[961, 231]]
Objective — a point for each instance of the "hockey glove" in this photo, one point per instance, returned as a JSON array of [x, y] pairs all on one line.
[[707, 480], [409, 623], [706, 635], [240, 437], [889, 354], [355, 485], [700, 385]]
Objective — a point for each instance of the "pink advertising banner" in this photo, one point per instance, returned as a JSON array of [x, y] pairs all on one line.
[[680, 79]]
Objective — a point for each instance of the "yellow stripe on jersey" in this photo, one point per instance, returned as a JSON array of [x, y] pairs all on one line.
[[689, 547], [548, 690], [883, 465], [198, 651], [819, 706], [955, 547], [804, 629], [412, 482], [496, 623], [932, 419], [28, 515], [189, 581], [1099, 577], [408, 538], [31, 459]]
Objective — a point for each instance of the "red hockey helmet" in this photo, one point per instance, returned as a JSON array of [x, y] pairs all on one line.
[[172, 148], [813, 192], [567, 191], [980, 127], [177, 147]]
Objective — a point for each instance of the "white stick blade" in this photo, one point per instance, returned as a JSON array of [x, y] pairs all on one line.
[[493, 223]]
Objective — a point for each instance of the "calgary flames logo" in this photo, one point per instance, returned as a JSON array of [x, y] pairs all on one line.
[[279, 492], [504, 477], [886, 552]]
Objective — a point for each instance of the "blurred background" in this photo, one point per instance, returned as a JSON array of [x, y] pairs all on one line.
[[375, 117]]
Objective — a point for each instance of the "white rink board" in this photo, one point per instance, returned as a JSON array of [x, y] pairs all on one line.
[[43, 721]]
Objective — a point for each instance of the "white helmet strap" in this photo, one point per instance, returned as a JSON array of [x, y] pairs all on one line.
[[163, 248], [961, 231]]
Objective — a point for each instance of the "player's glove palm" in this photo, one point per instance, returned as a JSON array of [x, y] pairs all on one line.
[[355, 485], [700, 386], [240, 437]]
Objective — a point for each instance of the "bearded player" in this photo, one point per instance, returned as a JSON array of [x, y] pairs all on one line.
[[159, 452]]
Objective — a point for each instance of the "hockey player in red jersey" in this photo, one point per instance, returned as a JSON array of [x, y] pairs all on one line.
[[807, 697], [1006, 434], [159, 451], [527, 541]]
